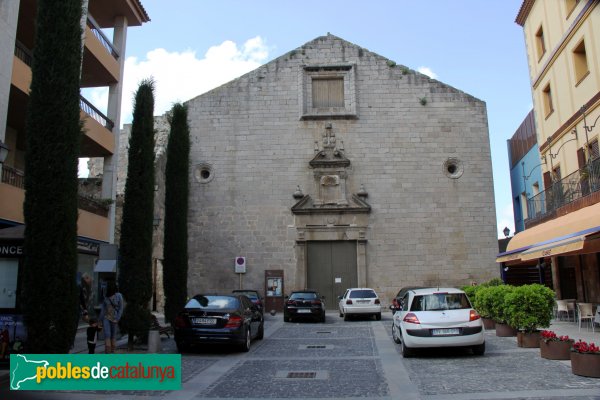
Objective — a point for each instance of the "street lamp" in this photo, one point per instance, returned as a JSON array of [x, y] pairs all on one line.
[[506, 231], [3, 152]]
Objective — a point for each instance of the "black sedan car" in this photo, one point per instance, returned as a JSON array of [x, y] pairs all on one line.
[[223, 319], [303, 304], [253, 295]]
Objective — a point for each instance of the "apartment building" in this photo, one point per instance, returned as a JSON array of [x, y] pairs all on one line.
[[102, 66], [561, 239]]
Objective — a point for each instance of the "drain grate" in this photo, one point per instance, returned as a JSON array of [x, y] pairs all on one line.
[[324, 332], [317, 346], [301, 375]]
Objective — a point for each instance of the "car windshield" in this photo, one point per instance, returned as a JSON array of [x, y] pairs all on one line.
[[213, 302], [440, 301], [362, 294], [250, 295], [303, 296]]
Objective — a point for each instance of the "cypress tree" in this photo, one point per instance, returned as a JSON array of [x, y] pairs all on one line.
[[53, 129], [135, 265], [175, 251]]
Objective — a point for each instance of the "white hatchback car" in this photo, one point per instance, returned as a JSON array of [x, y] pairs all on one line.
[[359, 301], [437, 317]]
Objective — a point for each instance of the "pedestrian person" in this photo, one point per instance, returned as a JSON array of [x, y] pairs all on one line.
[[110, 314], [92, 335], [4, 342], [85, 293]]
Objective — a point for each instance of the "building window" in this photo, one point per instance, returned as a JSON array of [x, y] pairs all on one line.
[[328, 91], [556, 174], [524, 205], [570, 6], [580, 62], [593, 150], [539, 43], [547, 100], [535, 189]]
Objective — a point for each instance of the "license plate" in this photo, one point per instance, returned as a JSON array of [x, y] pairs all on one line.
[[446, 331], [363, 301], [204, 321], [303, 311]]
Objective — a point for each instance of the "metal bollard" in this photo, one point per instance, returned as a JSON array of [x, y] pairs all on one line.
[[154, 342]]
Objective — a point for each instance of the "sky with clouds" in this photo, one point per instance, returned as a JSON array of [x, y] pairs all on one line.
[[190, 47]]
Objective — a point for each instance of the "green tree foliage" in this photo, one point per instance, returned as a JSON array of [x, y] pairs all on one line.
[[530, 307], [49, 288], [135, 265], [175, 253]]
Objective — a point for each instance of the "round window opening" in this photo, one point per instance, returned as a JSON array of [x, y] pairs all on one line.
[[453, 168], [204, 173]]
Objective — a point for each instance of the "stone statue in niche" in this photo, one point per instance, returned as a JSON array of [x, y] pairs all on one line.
[[330, 189]]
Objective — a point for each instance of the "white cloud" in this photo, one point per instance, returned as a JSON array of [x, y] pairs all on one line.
[[427, 71], [506, 219], [180, 76]]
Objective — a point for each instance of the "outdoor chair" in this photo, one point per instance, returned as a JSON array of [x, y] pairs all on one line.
[[561, 308], [586, 312]]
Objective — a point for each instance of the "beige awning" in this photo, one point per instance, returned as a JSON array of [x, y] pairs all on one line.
[[554, 248], [561, 235]]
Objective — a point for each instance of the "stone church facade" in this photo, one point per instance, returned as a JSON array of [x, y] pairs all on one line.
[[333, 167]]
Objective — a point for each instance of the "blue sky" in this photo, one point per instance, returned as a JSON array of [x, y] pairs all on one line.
[[192, 46]]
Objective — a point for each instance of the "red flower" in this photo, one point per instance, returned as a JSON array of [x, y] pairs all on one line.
[[583, 347], [548, 336]]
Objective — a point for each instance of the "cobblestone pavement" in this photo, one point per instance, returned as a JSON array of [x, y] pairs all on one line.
[[358, 359]]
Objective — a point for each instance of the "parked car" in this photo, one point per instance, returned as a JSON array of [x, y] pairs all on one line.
[[359, 301], [437, 317], [303, 304], [253, 295], [396, 300], [221, 318]]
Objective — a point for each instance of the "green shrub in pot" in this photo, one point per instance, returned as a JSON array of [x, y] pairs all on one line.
[[529, 307]]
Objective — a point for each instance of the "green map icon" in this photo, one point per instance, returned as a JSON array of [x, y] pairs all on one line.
[[23, 369]]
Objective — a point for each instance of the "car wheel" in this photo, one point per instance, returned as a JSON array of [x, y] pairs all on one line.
[[341, 314], [286, 319], [395, 335], [378, 316], [407, 352], [323, 318], [479, 350], [261, 331], [245, 347], [346, 317]]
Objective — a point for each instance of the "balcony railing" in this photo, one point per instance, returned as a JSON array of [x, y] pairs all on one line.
[[23, 53], [13, 177], [575, 186], [95, 113], [91, 23]]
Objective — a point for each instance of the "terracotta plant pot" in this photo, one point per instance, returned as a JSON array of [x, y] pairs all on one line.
[[489, 324], [505, 330], [528, 339], [585, 364], [556, 350]]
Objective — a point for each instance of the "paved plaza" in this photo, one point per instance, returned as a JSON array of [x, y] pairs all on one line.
[[358, 359]]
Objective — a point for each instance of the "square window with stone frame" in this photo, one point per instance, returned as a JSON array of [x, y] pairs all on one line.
[[328, 91]]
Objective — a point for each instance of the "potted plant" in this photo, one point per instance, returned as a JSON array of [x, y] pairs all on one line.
[[483, 303], [498, 309], [554, 347], [585, 359], [528, 308]]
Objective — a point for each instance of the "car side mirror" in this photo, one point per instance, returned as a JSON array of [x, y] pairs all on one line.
[[287, 297], [339, 297], [322, 297]]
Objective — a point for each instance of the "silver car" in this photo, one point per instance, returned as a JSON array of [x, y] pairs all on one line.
[[437, 317], [359, 301]]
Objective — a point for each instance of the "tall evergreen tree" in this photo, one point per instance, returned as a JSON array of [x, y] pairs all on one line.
[[175, 252], [135, 265], [53, 128]]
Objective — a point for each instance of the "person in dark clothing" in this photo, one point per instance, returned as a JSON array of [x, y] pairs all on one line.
[[92, 335]]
